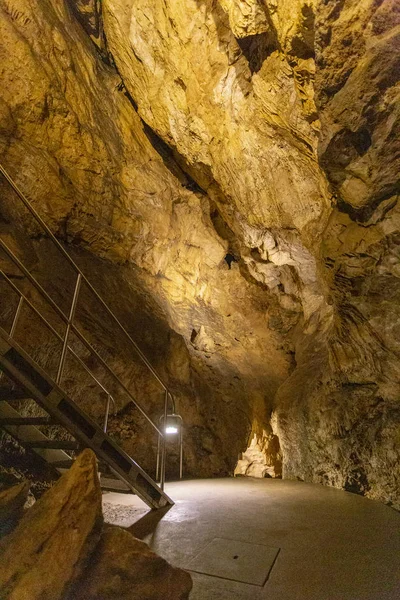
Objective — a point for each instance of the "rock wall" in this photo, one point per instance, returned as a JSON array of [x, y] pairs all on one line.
[[237, 163]]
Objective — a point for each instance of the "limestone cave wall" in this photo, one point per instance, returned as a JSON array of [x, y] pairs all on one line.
[[226, 173]]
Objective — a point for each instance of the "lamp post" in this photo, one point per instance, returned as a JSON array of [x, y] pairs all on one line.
[[171, 425]]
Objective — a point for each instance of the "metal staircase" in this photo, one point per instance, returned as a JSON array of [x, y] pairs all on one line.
[[118, 470]]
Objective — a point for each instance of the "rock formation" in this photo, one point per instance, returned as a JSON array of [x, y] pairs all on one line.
[[59, 550], [226, 172], [48, 549], [126, 568]]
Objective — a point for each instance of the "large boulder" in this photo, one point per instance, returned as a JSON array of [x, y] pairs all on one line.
[[59, 551], [125, 568], [50, 546]]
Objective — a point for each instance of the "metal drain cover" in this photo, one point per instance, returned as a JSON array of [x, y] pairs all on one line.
[[238, 561]]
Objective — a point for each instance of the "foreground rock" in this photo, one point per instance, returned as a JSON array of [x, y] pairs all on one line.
[[49, 548], [58, 551], [125, 568]]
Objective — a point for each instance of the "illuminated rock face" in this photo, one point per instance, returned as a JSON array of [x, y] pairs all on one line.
[[237, 161]]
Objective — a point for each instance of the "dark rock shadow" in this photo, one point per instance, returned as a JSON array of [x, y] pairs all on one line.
[[254, 48], [148, 523]]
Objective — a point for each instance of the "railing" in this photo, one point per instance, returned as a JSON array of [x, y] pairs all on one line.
[[69, 321]]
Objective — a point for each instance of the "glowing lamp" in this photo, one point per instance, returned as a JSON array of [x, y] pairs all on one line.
[[171, 431], [172, 424]]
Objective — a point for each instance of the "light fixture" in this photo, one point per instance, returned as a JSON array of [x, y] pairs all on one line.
[[171, 425]]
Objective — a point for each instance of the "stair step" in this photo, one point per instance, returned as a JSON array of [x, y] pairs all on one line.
[[56, 444], [114, 485], [12, 395], [62, 464], [26, 421], [106, 483], [66, 464], [17, 398]]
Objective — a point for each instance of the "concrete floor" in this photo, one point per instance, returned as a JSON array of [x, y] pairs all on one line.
[[333, 545]]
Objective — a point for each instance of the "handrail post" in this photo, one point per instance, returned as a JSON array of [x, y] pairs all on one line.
[[158, 457], [107, 413], [68, 329], [172, 399], [15, 323], [181, 451], [16, 316], [163, 442]]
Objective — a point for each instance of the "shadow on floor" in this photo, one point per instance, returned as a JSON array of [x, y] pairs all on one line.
[[148, 523]]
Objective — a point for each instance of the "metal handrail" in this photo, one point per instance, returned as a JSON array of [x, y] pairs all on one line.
[[24, 298], [87, 282], [70, 326]]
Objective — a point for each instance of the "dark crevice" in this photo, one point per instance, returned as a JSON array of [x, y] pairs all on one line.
[[229, 259], [105, 54], [345, 147], [255, 253], [167, 155], [256, 48], [121, 87], [361, 140], [303, 46], [90, 21], [92, 24], [221, 227], [364, 214]]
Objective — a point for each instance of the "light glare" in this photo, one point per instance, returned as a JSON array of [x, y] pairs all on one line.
[[170, 429]]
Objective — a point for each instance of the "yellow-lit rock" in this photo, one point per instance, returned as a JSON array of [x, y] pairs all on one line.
[[49, 548], [125, 568]]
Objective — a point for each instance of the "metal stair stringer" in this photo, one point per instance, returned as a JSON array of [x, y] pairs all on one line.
[[23, 370], [25, 432]]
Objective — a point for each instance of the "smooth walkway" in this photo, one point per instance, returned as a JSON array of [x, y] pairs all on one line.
[[332, 545]]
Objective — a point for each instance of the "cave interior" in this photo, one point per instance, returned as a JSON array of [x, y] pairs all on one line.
[[200, 286]]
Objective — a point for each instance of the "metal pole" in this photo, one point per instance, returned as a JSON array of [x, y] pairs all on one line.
[[158, 457], [181, 451], [14, 323], [107, 413], [16, 316], [163, 443], [68, 329]]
